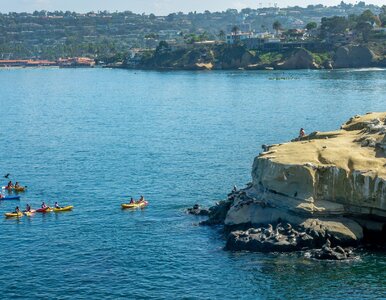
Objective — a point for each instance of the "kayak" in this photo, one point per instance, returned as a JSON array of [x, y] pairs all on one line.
[[43, 210], [10, 198], [13, 215], [66, 208], [29, 213], [15, 189], [135, 205]]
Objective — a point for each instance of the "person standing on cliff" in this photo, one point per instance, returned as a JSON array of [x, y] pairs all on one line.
[[302, 133]]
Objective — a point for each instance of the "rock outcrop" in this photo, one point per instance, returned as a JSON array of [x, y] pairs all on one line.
[[353, 57], [270, 239], [328, 185], [328, 176], [197, 210], [218, 213], [331, 253], [300, 59]]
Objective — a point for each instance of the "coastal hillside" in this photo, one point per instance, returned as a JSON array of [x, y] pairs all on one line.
[[225, 57], [195, 58], [105, 35]]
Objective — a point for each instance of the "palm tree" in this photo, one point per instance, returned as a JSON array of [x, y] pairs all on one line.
[[235, 36], [235, 29], [221, 35], [276, 26]]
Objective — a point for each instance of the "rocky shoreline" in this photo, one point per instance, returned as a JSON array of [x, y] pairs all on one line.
[[237, 57], [321, 193]]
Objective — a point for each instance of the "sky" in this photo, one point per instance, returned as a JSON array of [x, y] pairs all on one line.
[[158, 7]]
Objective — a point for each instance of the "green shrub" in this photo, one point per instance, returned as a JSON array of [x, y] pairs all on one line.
[[270, 57]]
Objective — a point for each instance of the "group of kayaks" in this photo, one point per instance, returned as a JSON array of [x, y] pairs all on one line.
[[140, 204], [39, 210], [10, 189], [29, 212]]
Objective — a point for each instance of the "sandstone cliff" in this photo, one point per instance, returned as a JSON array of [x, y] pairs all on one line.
[[330, 182], [299, 59], [354, 57]]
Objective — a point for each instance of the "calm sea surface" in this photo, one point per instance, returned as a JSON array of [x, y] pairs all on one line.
[[94, 137]]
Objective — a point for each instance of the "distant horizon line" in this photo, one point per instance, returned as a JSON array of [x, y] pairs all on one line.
[[176, 12]]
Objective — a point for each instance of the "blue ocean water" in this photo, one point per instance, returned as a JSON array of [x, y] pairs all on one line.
[[94, 137]]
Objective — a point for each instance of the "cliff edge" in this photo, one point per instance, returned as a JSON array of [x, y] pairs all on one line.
[[330, 184]]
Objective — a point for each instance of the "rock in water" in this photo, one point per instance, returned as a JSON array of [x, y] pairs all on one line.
[[329, 253], [332, 184], [269, 240], [198, 210]]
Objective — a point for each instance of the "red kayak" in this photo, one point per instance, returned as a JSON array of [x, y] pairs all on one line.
[[43, 210]]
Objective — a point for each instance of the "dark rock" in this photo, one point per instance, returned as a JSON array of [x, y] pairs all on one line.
[[269, 240], [328, 64], [305, 241], [198, 211], [217, 213], [329, 253]]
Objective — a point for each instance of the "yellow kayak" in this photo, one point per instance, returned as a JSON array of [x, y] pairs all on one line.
[[15, 189], [30, 213], [66, 208], [13, 215], [19, 189], [134, 205]]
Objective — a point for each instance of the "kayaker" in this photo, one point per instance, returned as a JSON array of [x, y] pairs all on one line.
[[141, 199], [57, 205], [17, 185], [17, 210], [9, 185], [44, 205], [28, 207], [132, 200]]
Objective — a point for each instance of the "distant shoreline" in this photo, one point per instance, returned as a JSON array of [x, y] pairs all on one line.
[[197, 70], [71, 62]]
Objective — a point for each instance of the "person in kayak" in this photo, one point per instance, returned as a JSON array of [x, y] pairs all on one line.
[[132, 200], [57, 205], [17, 210], [17, 185], [141, 199], [28, 207], [10, 185], [44, 205]]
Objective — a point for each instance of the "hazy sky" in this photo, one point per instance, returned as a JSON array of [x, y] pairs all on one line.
[[158, 7]]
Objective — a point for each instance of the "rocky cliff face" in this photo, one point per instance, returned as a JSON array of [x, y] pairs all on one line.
[[299, 59], [331, 182], [232, 57], [353, 57]]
